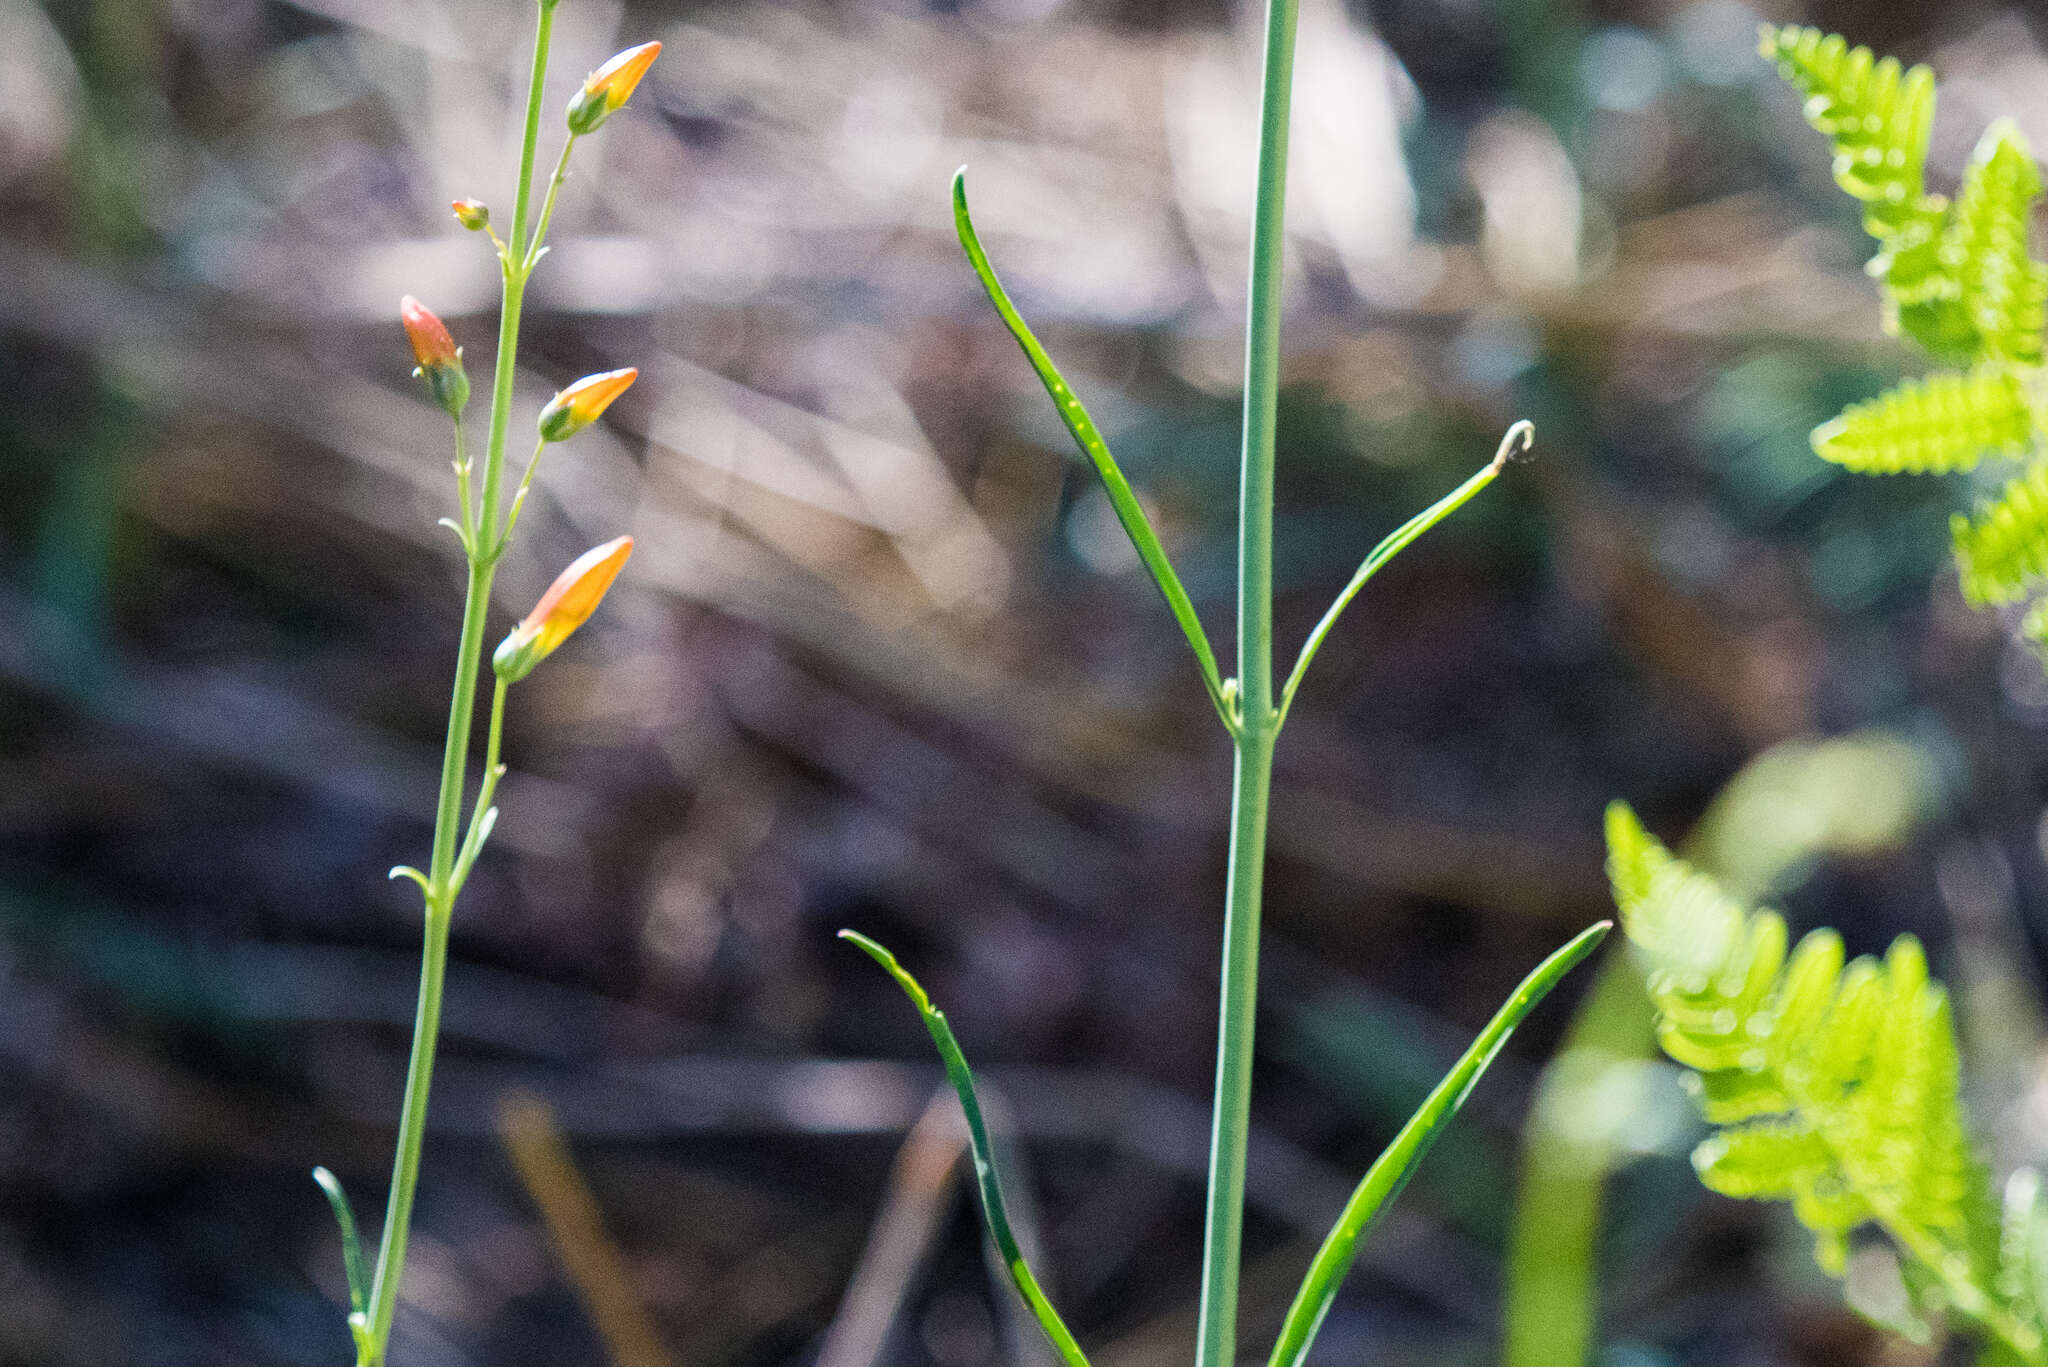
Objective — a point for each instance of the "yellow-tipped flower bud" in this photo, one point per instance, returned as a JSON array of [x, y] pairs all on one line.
[[440, 360], [472, 214], [578, 406], [566, 606], [609, 87]]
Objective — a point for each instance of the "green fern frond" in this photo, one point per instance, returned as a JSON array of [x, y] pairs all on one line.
[[1878, 116], [1832, 1086], [2004, 290], [1931, 425], [2004, 547]]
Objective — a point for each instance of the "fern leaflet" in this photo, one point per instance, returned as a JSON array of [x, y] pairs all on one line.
[[2004, 547], [1832, 1086], [1878, 117], [1931, 425], [1960, 279], [1985, 246]]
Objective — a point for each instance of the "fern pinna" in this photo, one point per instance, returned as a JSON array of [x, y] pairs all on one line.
[[1832, 1086], [1959, 279]]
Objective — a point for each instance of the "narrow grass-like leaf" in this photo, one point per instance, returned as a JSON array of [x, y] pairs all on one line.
[[351, 1241], [1128, 511], [984, 1153], [1391, 1171], [1521, 433]]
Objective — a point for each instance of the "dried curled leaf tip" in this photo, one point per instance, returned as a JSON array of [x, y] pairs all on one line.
[[576, 407], [1516, 442], [439, 359], [566, 606], [608, 88]]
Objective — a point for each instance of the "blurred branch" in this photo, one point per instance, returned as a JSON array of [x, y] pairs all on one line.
[[540, 1154]]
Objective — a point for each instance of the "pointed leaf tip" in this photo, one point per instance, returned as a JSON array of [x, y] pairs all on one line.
[[911, 987], [408, 871], [351, 1241]]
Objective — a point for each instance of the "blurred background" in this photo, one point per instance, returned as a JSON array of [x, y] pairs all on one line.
[[883, 660]]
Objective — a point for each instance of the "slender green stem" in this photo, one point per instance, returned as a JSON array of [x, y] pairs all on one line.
[[440, 885], [412, 1128], [547, 206], [518, 500], [1223, 1232], [483, 816]]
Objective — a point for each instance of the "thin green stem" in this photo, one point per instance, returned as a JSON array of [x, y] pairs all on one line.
[[1224, 1231], [518, 500], [483, 816], [440, 885], [411, 1130], [547, 206], [1259, 720]]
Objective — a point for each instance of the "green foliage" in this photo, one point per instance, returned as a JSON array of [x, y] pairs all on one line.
[[1830, 1085], [1958, 278], [2004, 289], [1878, 116], [1931, 425], [2005, 545], [1392, 1169], [990, 1187]]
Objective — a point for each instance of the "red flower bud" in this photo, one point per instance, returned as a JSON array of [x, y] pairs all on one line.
[[440, 360]]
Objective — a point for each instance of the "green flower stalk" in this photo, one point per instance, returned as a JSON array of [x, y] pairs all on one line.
[[1252, 709], [484, 526]]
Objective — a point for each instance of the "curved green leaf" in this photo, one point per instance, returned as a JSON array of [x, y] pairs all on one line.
[[2003, 287], [986, 1180], [351, 1241], [1391, 1171], [1128, 511], [1519, 436], [1878, 116]]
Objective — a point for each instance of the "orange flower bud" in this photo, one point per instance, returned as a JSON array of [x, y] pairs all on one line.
[[440, 360], [472, 214], [609, 87], [576, 407], [566, 606]]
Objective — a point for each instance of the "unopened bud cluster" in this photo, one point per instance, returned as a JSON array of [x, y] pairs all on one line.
[[569, 602]]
